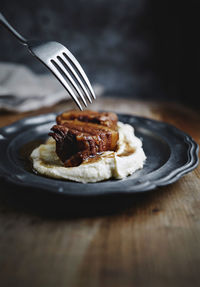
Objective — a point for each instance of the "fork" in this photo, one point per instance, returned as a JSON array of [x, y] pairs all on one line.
[[60, 61]]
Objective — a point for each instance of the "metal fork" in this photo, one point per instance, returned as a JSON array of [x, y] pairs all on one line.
[[60, 61]]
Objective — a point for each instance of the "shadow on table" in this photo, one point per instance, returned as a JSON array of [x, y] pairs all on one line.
[[43, 204]]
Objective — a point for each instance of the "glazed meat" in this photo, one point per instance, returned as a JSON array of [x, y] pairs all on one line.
[[77, 140], [104, 118]]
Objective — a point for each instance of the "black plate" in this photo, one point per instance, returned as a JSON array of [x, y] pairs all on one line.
[[170, 154]]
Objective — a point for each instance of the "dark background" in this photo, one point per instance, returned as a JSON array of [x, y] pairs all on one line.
[[135, 48]]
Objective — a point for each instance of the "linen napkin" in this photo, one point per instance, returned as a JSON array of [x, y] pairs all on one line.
[[22, 90]]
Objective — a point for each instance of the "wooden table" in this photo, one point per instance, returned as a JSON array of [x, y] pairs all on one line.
[[151, 239]]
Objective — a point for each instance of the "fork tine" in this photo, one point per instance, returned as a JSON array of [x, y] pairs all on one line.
[[67, 74], [67, 62], [69, 55], [54, 69]]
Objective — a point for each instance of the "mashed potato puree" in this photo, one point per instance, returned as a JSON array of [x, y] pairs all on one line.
[[128, 157]]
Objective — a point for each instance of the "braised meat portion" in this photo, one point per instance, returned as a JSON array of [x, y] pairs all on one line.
[[105, 118], [77, 140]]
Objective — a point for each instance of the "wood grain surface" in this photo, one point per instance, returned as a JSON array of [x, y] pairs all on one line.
[[152, 239]]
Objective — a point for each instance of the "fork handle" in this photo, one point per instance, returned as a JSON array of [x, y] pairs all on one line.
[[5, 23]]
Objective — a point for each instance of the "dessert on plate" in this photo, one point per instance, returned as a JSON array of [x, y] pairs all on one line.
[[89, 146]]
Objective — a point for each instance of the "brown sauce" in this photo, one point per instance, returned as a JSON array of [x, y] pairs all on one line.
[[97, 158], [128, 150]]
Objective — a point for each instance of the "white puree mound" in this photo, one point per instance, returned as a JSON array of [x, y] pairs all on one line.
[[128, 157]]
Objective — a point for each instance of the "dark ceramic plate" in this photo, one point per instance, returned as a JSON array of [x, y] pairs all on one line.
[[170, 154]]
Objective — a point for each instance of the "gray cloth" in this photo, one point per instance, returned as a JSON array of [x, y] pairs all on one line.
[[22, 90]]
